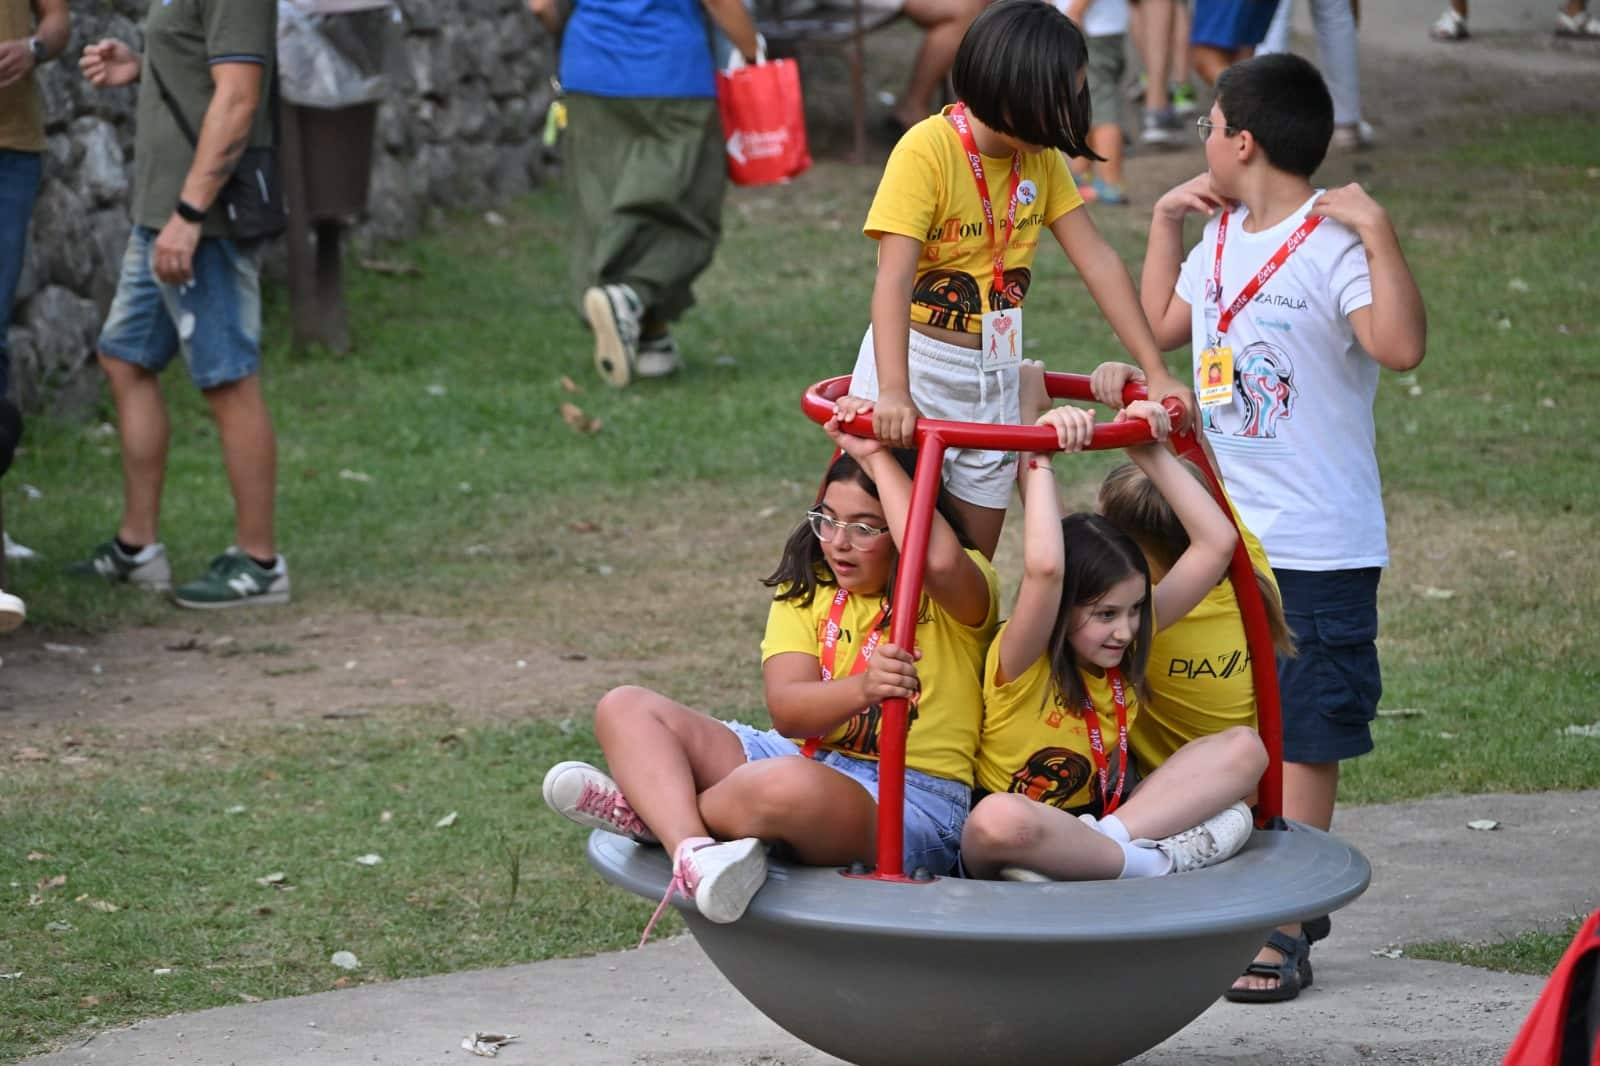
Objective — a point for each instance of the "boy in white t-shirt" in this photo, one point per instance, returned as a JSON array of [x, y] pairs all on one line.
[[1293, 300]]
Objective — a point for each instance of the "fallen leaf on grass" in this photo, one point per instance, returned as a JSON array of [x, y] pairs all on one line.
[[447, 821], [1483, 824], [583, 526], [30, 754], [345, 960], [58, 927], [53, 882], [1401, 712], [573, 416], [89, 1001], [35, 856], [10, 976], [1431, 593], [66, 649], [237, 808], [369, 860], [392, 267], [1590, 730], [342, 982], [187, 644], [354, 475], [278, 879], [162, 971], [245, 997], [103, 906], [1518, 285], [568, 385], [487, 1045], [386, 817]]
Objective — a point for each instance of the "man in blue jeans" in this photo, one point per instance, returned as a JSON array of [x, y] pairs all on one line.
[[187, 288], [31, 33]]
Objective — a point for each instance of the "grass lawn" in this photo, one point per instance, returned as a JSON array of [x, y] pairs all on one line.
[[431, 473]]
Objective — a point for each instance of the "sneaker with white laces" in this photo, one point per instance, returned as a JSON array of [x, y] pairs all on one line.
[[12, 611], [1217, 838], [587, 795], [147, 569], [1582, 25], [235, 580], [658, 357], [615, 314], [720, 877], [1449, 26]]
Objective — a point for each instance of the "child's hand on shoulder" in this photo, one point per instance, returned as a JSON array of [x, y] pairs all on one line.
[[892, 674], [1352, 206], [1033, 396], [1108, 380], [1074, 426], [1196, 195], [857, 448], [1151, 412]]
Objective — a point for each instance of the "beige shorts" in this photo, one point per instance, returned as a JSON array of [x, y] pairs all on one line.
[[946, 383]]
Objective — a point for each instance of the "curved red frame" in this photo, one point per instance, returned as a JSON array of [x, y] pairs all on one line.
[[933, 437]]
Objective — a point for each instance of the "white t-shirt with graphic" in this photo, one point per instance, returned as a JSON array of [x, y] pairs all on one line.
[[1297, 443]]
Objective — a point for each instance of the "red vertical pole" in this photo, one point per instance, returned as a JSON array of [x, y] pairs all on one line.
[[1258, 637], [903, 632]]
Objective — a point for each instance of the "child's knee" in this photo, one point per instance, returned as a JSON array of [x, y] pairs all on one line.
[[1242, 747], [618, 706], [1001, 821]]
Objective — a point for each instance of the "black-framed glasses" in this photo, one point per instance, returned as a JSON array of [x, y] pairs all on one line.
[[827, 528], [1204, 126]]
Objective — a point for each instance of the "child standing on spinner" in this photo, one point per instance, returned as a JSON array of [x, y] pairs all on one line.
[[957, 217]]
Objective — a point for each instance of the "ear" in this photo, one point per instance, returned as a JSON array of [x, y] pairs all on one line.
[[1247, 148]]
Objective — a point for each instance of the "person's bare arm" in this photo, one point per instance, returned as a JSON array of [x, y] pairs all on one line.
[[1394, 328], [732, 19], [53, 25]]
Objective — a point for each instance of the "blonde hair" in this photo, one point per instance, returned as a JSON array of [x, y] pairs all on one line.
[[1131, 502]]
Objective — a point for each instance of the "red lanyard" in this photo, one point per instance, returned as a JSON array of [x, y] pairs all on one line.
[[958, 119], [1281, 256], [830, 650], [1091, 721]]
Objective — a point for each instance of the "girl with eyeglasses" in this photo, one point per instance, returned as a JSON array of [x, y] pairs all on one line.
[[714, 793]]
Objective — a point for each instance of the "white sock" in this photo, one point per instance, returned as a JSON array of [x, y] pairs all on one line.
[[1111, 826], [1143, 862]]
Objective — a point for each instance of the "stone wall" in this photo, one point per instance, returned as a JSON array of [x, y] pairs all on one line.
[[459, 128]]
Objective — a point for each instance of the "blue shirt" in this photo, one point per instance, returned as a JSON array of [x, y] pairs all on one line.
[[637, 48]]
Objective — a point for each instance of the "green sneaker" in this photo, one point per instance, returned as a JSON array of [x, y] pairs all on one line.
[[147, 570], [1184, 101], [236, 580]]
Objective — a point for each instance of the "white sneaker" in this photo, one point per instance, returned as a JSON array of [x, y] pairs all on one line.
[[1217, 838], [12, 611], [583, 794], [1019, 873], [721, 878], [1448, 27], [658, 357], [614, 313], [1582, 25]]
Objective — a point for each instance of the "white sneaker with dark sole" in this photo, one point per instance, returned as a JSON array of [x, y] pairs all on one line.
[[588, 796]]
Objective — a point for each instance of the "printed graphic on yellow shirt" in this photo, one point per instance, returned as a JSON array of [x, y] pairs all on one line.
[[954, 299], [1052, 775]]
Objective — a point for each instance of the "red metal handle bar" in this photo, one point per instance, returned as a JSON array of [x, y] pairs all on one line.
[[933, 437]]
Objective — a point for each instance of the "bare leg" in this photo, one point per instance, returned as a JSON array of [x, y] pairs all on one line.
[[1106, 140], [1153, 42], [250, 452], [1182, 22], [1200, 779], [1011, 830], [1309, 790], [663, 755], [144, 432], [827, 818], [1210, 61], [983, 525], [946, 22]]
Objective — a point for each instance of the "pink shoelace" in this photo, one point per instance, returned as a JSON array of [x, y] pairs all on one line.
[[611, 806], [685, 879]]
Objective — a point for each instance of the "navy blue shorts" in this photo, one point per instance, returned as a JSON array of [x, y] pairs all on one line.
[[1330, 689], [1231, 24]]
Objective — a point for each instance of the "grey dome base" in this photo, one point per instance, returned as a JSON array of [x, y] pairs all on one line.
[[970, 973]]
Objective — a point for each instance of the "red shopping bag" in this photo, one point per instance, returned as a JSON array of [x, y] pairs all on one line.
[[763, 122], [1563, 1029]]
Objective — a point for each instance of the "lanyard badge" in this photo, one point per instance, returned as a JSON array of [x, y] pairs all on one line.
[[1214, 386], [1002, 329], [1109, 801]]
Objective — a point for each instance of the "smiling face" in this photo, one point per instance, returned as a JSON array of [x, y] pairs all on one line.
[[861, 564], [1103, 628]]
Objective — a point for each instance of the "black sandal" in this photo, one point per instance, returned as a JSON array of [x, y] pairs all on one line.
[[1293, 973]]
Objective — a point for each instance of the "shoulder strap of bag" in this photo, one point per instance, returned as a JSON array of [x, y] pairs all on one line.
[[183, 124]]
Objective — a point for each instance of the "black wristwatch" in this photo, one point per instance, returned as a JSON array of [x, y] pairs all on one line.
[[41, 53], [189, 213]]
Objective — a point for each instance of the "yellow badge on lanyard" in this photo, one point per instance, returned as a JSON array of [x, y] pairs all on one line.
[[1215, 387]]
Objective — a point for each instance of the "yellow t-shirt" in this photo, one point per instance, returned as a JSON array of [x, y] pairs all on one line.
[[944, 721], [1034, 744], [928, 193], [1199, 673], [21, 121]]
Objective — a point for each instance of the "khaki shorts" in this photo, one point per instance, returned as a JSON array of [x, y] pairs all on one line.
[[1107, 64]]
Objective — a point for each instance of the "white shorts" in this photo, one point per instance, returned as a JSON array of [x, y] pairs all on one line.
[[946, 383]]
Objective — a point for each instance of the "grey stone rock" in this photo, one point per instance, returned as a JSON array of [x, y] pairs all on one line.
[[61, 231], [422, 16], [477, 118], [103, 176], [394, 126], [109, 231], [55, 95], [61, 155], [62, 374]]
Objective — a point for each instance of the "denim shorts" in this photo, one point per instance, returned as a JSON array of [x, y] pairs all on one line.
[[947, 383], [215, 320], [936, 807], [1330, 689]]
